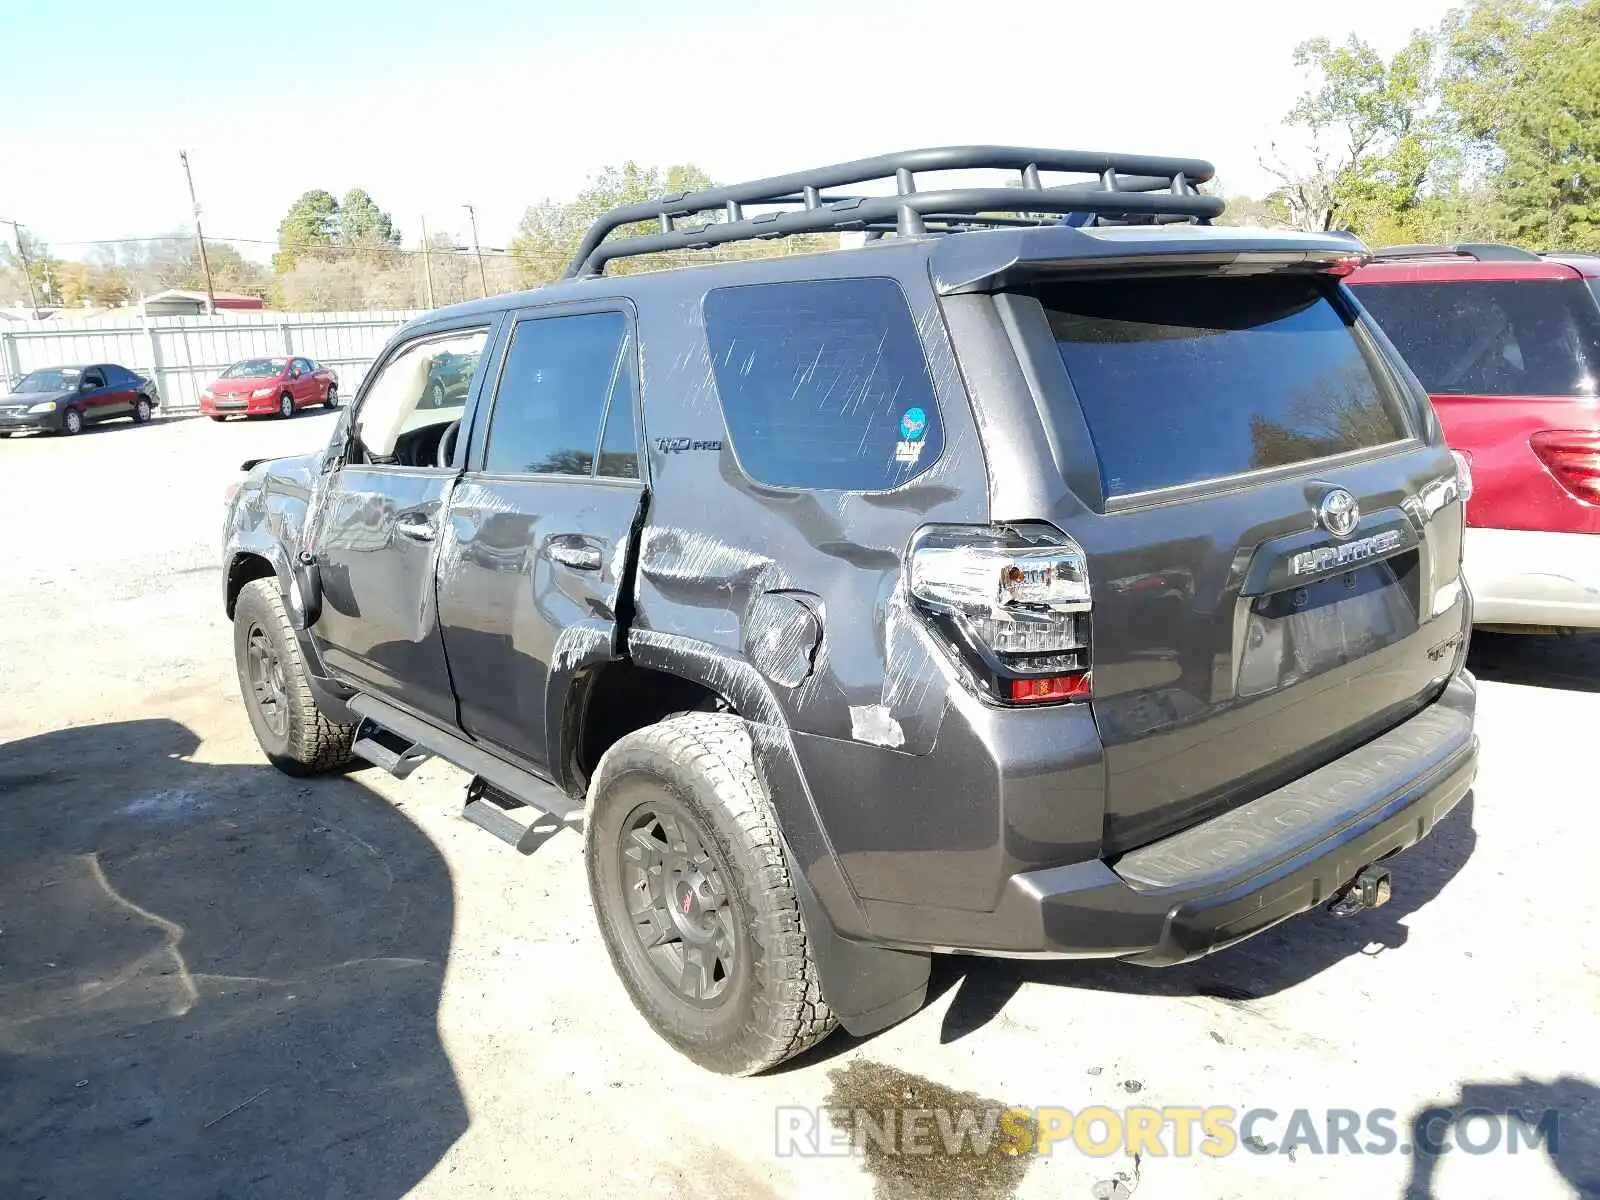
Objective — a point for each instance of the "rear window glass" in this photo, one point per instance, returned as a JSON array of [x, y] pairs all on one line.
[[823, 384], [1506, 338], [1183, 380]]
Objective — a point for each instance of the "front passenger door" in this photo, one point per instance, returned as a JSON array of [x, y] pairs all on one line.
[[540, 521]]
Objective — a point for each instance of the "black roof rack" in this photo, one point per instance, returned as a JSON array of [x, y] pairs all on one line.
[[1479, 251], [1123, 188]]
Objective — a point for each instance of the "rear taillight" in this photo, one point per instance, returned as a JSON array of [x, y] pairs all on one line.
[[1463, 474], [1573, 457], [1013, 601]]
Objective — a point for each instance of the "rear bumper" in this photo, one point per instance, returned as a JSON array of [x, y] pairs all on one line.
[[1525, 577], [1219, 882]]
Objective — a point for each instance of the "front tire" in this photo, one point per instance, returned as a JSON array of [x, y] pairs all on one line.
[[331, 400], [218, 417], [297, 738], [71, 423], [694, 900], [286, 406], [142, 410]]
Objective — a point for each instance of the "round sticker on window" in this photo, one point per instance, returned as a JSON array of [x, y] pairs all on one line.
[[913, 427]]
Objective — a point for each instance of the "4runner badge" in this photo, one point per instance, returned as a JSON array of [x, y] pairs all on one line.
[[1324, 558]]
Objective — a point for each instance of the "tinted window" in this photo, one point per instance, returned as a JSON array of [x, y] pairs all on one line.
[[94, 378], [619, 452], [1183, 380], [823, 384], [1511, 338], [559, 375]]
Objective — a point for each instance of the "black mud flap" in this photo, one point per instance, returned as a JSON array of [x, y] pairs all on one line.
[[308, 584], [868, 987]]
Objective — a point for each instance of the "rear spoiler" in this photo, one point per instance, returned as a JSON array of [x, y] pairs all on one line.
[[1003, 259]]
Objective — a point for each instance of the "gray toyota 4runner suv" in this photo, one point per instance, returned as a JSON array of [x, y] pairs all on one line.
[[1053, 574]]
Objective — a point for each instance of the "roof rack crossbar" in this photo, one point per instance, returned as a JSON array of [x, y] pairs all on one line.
[[1123, 185], [1479, 251]]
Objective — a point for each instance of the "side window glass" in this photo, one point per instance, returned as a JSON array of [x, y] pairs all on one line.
[[619, 450], [93, 378], [823, 384], [558, 378], [407, 395]]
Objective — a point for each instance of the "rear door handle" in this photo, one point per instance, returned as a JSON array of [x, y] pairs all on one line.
[[574, 554], [419, 528]]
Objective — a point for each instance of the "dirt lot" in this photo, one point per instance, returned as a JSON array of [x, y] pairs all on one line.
[[217, 981]]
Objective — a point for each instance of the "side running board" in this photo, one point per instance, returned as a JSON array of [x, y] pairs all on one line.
[[422, 738], [388, 750], [503, 815]]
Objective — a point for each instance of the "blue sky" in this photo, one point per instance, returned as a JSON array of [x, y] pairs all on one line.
[[501, 104]]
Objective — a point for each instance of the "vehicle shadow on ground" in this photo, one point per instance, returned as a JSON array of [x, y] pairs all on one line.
[[1276, 959], [1560, 1117], [1569, 663], [214, 980]]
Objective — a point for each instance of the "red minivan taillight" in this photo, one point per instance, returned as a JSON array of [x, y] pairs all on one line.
[[1573, 457], [1013, 601]]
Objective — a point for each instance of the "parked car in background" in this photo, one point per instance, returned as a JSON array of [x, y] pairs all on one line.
[[1507, 342], [65, 399], [278, 385]]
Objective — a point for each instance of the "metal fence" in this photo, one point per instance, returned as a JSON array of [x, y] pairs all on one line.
[[185, 354]]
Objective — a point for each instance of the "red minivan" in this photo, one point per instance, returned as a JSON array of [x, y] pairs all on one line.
[[1507, 342]]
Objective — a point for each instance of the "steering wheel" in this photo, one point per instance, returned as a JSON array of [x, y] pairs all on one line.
[[447, 445]]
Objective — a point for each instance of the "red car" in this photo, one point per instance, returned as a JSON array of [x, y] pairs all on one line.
[[264, 386], [1507, 342]]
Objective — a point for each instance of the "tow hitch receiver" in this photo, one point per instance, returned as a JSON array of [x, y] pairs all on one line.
[[1369, 889]]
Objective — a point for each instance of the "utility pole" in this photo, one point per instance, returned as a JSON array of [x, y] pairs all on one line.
[[483, 282], [27, 271], [427, 266], [200, 238]]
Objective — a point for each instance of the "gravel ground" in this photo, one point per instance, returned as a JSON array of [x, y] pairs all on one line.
[[217, 981]]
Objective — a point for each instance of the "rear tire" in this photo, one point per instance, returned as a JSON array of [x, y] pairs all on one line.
[[694, 900], [286, 406], [71, 423], [295, 735]]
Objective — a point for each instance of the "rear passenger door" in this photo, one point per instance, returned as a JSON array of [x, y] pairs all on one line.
[[540, 520]]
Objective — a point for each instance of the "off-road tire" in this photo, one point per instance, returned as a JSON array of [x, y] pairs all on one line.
[[773, 1008], [314, 744]]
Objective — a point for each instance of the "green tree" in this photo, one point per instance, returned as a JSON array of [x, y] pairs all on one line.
[[1522, 82], [1373, 136], [308, 231], [364, 225], [549, 232]]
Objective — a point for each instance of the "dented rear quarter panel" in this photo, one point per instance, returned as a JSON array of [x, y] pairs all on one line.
[[904, 772]]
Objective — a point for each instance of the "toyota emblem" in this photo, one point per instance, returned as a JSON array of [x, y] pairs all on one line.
[[1339, 513]]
